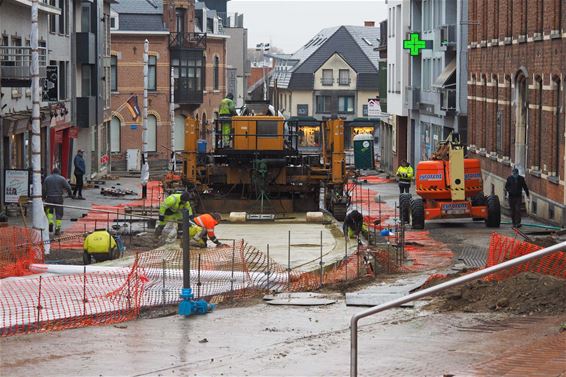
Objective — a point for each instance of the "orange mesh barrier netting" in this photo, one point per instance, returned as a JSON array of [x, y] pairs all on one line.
[[422, 252], [97, 219], [19, 247], [502, 248], [69, 301]]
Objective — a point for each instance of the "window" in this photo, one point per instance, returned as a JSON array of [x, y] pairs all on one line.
[[540, 15], [114, 73], [509, 19], [498, 119], [187, 69], [309, 136], [327, 77], [426, 79], [509, 109], [323, 104], [267, 128], [346, 104], [538, 143], [86, 81], [52, 19], [344, 77], [179, 132], [62, 17], [180, 14], [216, 72], [85, 17], [115, 125], [17, 42], [393, 22], [525, 17], [152, 72], [210, 25], [62, 80], [151, 133]]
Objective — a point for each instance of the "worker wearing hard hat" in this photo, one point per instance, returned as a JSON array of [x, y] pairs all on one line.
[[405, 175], [171, 210], [227, 109], [203, 229], [101, 245], [353, 224]]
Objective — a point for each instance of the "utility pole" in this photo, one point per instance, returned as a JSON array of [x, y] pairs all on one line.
[[38, 215], [145, 163], [172, 116]]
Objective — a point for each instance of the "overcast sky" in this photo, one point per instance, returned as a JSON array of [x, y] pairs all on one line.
[[290, 24]]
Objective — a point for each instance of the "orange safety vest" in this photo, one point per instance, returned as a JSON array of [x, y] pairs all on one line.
[[207, 222]]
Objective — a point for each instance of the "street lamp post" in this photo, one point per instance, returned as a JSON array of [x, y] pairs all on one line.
[[263, 47]]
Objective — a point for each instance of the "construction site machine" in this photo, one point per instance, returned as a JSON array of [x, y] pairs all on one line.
[[255, 165], [450, 186]]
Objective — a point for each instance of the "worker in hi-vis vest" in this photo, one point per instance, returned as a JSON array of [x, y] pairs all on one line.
[[171, 210], [202, 229], [405, 176], [101, 245], [227, 109]]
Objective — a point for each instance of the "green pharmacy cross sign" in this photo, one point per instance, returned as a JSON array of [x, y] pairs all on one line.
[[415, 44]]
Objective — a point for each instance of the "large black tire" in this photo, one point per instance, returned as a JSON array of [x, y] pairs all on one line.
[[417, 213], [339, 211], [87, 258], [479, 200], [493, 212], [405, 207]]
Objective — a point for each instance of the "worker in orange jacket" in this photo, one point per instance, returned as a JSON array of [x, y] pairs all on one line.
[[203, 229]]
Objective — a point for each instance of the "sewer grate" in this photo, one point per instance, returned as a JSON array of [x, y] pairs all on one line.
[[473, 257]]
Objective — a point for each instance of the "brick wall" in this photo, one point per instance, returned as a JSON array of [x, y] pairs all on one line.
[[496, 55], [129, 51]]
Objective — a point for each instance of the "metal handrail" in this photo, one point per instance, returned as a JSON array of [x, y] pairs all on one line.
[[438, 288]]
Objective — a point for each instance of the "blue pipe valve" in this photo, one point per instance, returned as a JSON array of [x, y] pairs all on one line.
[[189, 306]]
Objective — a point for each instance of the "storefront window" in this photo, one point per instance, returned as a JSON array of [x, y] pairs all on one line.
[[309, 136]]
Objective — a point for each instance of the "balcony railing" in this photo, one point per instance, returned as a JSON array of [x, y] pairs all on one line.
[[15, 63], [344, 81], [327, 81], [187, 40]]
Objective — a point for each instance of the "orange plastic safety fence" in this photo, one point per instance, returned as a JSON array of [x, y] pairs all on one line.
[[19, 247], [503, 248], [69, 301]]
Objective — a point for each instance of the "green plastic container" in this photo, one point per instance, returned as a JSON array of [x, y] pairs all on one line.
[[363, 152]]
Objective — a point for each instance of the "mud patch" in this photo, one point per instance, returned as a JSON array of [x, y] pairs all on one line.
[[525, 293]]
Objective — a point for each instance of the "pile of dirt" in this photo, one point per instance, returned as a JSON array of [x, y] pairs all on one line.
[[525, 293]]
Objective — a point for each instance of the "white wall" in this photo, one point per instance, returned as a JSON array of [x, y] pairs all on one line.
[[335, 63], [397, 58], [301, 98]]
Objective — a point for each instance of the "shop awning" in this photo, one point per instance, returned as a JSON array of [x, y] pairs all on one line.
[[447, 76]]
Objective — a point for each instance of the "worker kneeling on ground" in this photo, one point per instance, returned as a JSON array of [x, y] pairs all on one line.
[[101, 245], [171, 210], [353, 224], [203, 229]]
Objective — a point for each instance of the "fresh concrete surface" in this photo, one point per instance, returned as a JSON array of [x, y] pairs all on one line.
[[305, 241]]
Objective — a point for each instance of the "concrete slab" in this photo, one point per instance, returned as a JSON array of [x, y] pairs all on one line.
[[305, 241]]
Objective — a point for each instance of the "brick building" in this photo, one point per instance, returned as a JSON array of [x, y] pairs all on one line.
[[183, 35], [516, 101]]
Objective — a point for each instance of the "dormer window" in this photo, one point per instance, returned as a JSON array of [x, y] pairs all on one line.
[[114, 21]]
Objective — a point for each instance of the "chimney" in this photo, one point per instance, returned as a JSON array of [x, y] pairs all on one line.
[[369, 23]]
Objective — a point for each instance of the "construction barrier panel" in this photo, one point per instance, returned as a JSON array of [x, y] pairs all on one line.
[[19, 247], [503, 248]]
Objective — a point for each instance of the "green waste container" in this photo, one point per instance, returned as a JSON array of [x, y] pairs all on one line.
[[363, 152]]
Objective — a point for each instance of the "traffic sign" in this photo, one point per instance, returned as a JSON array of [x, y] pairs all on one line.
[[374, 107]]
